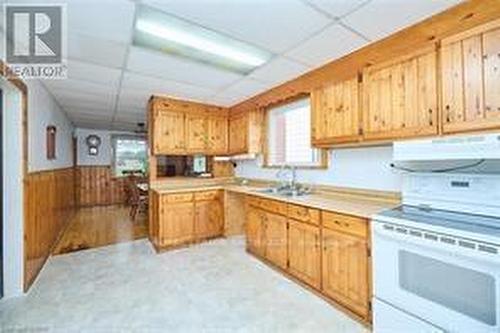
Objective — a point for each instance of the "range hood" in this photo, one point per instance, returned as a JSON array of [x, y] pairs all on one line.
[[463, 147]]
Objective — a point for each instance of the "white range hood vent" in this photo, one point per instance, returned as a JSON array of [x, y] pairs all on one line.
[[466, 147], [241, 157]]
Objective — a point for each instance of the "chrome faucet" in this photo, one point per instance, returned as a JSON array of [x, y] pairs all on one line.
[[290, 183]]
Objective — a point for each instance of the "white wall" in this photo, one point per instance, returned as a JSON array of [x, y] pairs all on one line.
[[13, 186], [105, 155], [365, 168], [42, 112]]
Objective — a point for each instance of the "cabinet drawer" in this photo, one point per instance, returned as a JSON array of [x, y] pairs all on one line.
[[344, 223], [181, 197], [206, 195], [269, 205], [304, 214]]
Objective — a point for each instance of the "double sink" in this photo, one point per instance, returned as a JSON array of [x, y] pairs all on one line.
[[296, 191]]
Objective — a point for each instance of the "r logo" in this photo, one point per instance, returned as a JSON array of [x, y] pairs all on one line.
[[34, 34]]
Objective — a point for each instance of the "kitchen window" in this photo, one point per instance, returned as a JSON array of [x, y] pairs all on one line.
[[289, 137], [129, 155]]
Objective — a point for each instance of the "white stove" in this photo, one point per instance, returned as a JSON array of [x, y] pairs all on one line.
[[436, 259]]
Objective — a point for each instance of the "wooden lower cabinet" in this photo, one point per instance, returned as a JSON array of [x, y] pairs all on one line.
[[304, 252], [275, 239], [176, 224], [255, 231], [184, 218], [345, 270], [330, 252], [209, 219]]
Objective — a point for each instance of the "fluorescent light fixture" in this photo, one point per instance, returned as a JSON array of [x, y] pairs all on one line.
[[166, 33]]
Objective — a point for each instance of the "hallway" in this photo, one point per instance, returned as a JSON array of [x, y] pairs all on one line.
[[98, 226]]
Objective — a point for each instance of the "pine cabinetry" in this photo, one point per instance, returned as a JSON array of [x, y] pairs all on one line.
[[186, 128], [218, 135], [255, 225], [400, 97], [184, 218], [470, 71], [245, 132], [335, 113], [169, 132], [304, 252], [196, 134], [345, 263], [209, 215], [326, 250], [275, 239]]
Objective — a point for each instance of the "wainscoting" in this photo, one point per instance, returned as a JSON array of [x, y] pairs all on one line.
[[96, 186], [49, 201]]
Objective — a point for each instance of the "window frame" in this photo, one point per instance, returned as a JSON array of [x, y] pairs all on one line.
[[115, 138], [323, 153]]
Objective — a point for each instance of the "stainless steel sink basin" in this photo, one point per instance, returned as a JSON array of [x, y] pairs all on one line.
[[284, 192]]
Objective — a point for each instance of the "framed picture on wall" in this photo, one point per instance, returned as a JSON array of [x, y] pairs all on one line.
[[51, 142]]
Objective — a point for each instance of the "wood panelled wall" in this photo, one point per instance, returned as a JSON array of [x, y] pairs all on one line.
[[49, 200], [96, 186]]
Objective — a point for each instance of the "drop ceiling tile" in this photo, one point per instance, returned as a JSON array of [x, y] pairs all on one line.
[[130, 117], [273, 25], [130, 100], [96, 50], [68, 97], [152, 85], [94, 73], [111, 20], [95, 125], [80, 110], [380, 18], [279, 70], [332, 43], [245, 88], [225, 100], [79, 102], [175, 68], [337, 8]]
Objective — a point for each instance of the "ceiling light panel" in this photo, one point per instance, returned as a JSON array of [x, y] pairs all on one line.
[[157, 30]]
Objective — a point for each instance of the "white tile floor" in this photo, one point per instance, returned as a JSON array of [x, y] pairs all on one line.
[[211, 287]]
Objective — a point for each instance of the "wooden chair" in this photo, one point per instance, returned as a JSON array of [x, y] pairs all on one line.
[[138, 200]]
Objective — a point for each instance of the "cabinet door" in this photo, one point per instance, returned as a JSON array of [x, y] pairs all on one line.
[[169, 135], [275, 236], [400, 98], [335, 113], [470, 70], [345, 270], [208, 219], [196, 133], [304, 252], [238, 134], [255, 231], [177, 223], [218, 135]]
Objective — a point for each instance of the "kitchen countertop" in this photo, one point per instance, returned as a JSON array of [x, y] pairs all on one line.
[[358, 204]]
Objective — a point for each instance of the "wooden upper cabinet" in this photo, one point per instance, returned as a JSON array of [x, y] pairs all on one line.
[[168, 132], [400, 97], [245, 132], [196, 133], [470, 71], [218, 135], [238, 134], [184, 128], [335, 113]]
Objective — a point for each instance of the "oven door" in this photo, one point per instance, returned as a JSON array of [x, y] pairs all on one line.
[[454, 288]]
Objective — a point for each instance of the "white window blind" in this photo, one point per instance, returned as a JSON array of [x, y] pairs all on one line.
[[289, 135]]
